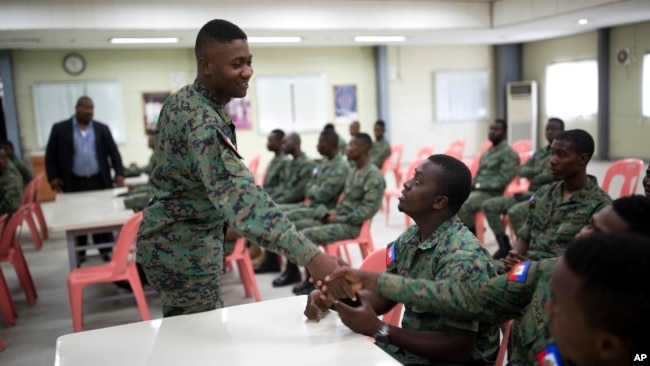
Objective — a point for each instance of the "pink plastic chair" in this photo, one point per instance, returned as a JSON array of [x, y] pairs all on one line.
[[253, 165], [392, 163], [10, 251], [630, 169], [376, 262], [503, 347], [456, 148], [522, 146], [28, 203], [243, 259], [6, 303], [397, 191], [36, 206], [474, 163], [121, 267], [364, 240]]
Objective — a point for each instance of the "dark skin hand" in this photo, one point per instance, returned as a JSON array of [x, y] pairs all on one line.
[[322, 265], [317, 306], [57, 184], [512, 259]]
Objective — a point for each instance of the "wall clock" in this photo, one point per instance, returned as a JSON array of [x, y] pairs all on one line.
[[74, 64]]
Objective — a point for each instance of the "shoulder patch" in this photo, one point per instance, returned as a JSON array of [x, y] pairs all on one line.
[[519, 272], [532, 199], [229, 143], [549, 356], [390, 254]]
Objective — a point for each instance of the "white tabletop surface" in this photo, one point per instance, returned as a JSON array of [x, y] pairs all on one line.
[[91, 209], [273, 332]]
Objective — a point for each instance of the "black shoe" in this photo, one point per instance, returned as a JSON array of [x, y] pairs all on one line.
[[504, 246], [304, 288], [289, 276], [125, 285], [269, 265]]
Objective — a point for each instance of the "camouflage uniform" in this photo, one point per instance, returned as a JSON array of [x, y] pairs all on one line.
[[144, 169], [199, 187], [294, 177], [551, 224], [497, 168], [272, 182], [379, 152], [538, 172], [493, 301], [451, 252], [11, 190], [362, 197], [342, 145], [23, 168], [141, 194]]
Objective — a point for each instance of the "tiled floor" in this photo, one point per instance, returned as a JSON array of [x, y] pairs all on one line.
[[33, 340]]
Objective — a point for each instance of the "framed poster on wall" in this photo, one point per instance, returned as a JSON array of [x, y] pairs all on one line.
[[153, 102], [345, 103]]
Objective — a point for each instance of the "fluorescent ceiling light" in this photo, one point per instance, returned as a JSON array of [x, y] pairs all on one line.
[[274, 39], [379, 39], [583, 21], [144, 40], [20, 40]]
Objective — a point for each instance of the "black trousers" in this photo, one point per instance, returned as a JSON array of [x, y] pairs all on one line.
[[92, 183]]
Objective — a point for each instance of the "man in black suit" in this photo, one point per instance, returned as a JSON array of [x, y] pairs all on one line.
[[79, 156]]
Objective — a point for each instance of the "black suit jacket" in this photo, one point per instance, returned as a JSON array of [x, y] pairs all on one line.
[[60, 152]]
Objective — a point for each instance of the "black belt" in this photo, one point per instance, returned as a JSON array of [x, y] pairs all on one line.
[[85, 176]]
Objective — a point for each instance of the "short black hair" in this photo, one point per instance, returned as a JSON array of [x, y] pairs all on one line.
[[218, 31], [364, 138], [613, 269], [457, 183], [278, 132], [557, 120], [635, 210], [83, 99], [7, 143], [581, 141], [328, 127], [503, 123], [381, 123], [331, 137]]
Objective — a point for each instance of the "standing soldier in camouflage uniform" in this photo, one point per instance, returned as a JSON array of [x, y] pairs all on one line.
[[497, 168], [362, 197], [200, 185], [11, 186], [323, 188], [538, 172], [272, 182], [558, 211], [438, 247], [520, 294], [22, 166], [381, 148], [295, 173]]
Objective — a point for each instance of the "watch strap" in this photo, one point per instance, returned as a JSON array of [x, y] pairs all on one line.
[[382, 335]]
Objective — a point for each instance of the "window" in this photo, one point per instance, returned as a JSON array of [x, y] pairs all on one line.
[[462, 95], [645, 93], [572, 89], [294, 103]]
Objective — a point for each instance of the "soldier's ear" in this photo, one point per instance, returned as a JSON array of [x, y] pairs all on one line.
[[440, 202], [205, 66]]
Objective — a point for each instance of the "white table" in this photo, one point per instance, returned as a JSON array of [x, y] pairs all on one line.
[[273, 332], [90, 212]]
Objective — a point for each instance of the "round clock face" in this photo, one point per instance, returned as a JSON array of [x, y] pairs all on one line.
[[74, 64]]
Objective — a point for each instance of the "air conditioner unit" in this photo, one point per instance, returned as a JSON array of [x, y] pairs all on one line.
[[521, 109]]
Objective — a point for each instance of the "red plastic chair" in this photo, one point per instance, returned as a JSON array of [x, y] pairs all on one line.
[[243, 259], [10, 251], [392, 163], [6, 303], [28, 203], [364, 240], [397, 191], [630, 169], [2, 344], [376, 262], [253, 165], [36, 206], [503, 347], [522, 146], [121, 267], [456, 148]]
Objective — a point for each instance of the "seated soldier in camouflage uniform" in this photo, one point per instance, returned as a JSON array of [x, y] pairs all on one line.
[[323, 188], [497, 168], [521, 294], [538, 172], [342, 143], [139, 195], [18, 165], [134, 169], [438, 247], [11, 186], [362, 197], [381, 148], [558, 211]]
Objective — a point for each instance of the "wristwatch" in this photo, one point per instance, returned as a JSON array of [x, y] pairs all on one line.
[[382, 335]]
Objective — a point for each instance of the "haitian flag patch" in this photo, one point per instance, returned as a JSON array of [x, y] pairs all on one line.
[[390, 254], [519, 272], [227, 140], [549, 356]]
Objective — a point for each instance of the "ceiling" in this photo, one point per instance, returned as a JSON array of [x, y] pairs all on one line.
[[89, 24]]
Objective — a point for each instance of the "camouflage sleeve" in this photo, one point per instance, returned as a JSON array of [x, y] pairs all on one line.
[[527, 170], [244, 206], [330, 188], [144, 169], [505, 173], [25, 170], [272, 176], [373, 187], [294, 190], [488, 301], [379, 153], [12, 192]]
